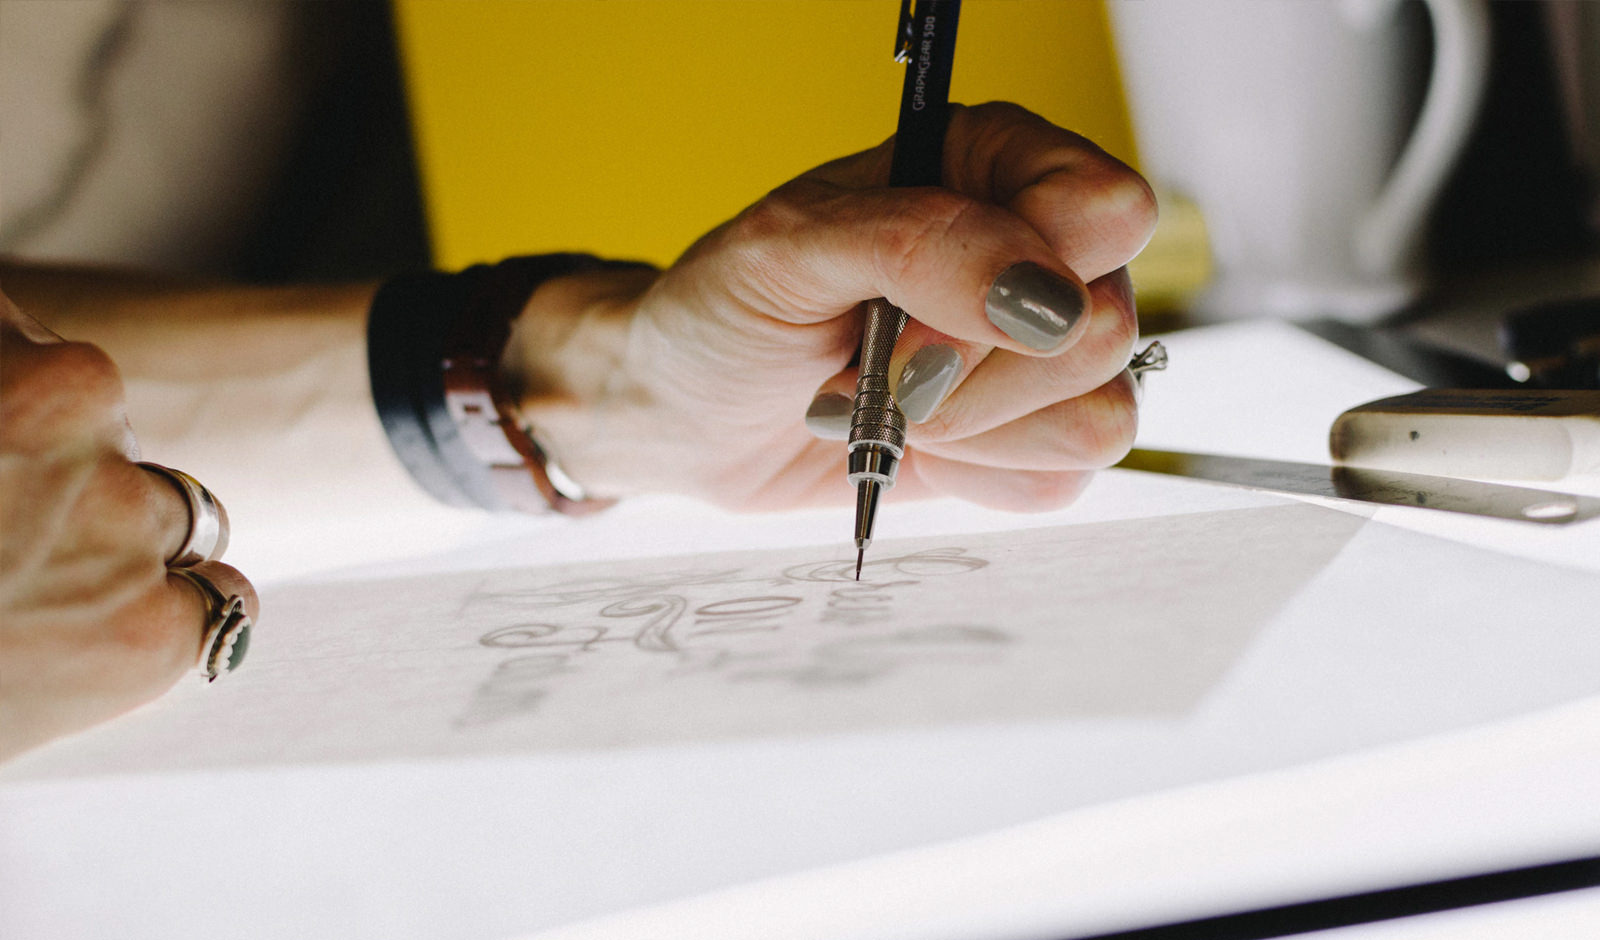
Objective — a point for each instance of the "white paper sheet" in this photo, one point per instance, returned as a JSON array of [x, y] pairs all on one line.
[[1108, 619]]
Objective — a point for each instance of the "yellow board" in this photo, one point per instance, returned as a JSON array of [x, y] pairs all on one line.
[[630, 127]]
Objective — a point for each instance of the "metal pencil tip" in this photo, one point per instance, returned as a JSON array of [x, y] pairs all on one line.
[[860, 554]]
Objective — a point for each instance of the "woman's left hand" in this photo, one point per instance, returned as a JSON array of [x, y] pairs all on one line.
[[92, 620]]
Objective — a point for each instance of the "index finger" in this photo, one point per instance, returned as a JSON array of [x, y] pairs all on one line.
[[1095, 212], [810, 251]]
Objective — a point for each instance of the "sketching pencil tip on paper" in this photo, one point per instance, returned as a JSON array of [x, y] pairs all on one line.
[[867, 492]]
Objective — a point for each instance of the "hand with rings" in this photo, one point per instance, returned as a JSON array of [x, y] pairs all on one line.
[[110, 587]]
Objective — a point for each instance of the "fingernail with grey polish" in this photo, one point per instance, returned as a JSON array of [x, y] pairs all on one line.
[[829, 417], [926, 380], [1033, 305]]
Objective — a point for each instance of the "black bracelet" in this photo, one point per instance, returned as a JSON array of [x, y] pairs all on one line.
[[411, 318]]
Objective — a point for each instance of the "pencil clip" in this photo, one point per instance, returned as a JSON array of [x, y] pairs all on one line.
[[905, 33]]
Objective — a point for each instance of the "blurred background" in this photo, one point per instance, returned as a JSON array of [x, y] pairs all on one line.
[[275, 141]]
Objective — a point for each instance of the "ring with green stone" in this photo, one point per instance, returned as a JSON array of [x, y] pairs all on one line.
[[227, 633]]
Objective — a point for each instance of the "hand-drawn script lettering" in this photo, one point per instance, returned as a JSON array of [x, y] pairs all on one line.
[[808, 626]]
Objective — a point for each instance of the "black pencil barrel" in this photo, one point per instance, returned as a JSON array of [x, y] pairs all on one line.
[[925, 99]]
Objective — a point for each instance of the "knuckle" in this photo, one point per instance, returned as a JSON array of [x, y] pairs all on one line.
[[1113, 421], [998, 110], [779, 214], [1126, 203], [1120, 330], [999, 117], [65, 385], [153, 638], [117, 487], [761, 238], [230, 581], [1110, 208], [1045, 491], [127, 492], [951, 421], [1107, 343], [89, 369], [149, 637], [907, 236], [119, 536], [1103, 212]]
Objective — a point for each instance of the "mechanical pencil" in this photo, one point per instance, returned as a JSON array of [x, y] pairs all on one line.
[[925, 39]]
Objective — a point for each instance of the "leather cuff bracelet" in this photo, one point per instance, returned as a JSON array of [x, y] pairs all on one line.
[[433, 350]]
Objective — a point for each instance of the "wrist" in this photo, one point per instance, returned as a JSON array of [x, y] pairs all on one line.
[[434, 344], [566, 371]]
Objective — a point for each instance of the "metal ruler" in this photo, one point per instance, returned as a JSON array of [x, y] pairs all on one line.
[[1382, 487]]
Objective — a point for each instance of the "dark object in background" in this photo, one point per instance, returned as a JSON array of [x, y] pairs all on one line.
[[1554, 345], [1517, 192], [347, 203], [1411, 356]]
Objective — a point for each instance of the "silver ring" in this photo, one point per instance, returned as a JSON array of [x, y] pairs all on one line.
[[208, 521], [1153, 359], [227, 633]]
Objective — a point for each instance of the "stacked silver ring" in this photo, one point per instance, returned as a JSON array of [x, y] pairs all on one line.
[[208, 527], [227, 630]]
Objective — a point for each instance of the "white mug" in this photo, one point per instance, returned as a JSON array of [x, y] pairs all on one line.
[[1285, 121], [1574, 28]]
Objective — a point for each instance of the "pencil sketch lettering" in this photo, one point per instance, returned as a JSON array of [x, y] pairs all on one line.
[[515, 687], [861, 659], [1126, 624], [806, 626]]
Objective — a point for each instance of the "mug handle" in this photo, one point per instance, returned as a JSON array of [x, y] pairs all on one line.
[[1389, 236]]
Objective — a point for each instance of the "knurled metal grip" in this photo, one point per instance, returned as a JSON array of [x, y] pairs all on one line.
[[876, 425]]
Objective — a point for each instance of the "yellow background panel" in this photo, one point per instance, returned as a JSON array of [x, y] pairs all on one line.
[[630, 127]]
